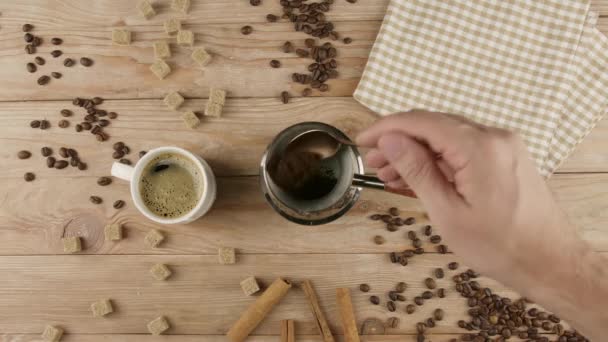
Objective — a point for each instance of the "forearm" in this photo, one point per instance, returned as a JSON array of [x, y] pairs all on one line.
[[563, 275]]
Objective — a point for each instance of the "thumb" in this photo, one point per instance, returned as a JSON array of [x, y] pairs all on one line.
[[418, 168]]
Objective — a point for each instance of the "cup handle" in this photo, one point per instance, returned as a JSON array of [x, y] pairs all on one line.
[[122, 171]]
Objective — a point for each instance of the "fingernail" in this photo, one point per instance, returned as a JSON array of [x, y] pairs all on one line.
[[391, 145]]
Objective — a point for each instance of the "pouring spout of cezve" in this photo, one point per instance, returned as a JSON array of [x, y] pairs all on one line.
[[304, 153]]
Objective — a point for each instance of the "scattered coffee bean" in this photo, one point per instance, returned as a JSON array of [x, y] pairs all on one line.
[[29, 176], [271, 18], [420, 327], [412, 235], [427, 294], [56, 41], [112, 115], [39, 60], [379, 240], [403, 261], [86, 125], [285, 97], [61, 164], [95, 199], [31, 67], [392, 295], [401, 298], [103, 123], [97, 100], [306, 92], [439, 273], [438, 314], [419, 300], [275, 63], [56, 75], [82, 166], [419, 250], [310, 43], [287, 47], [86, 62], [30, 49], [118, 204], [394, 258], [27, 27], [347, 40], [46, 151], [428, 230], [442, 249], [408, 253], [35, 124], [410, 308], [43, 80], [409, 221], [435, 239], [24, 154], [118, 154], [45, 124], [63, 124], [554, 319], [68, 62], [255, 2], [142, 153], [323, 87], [374, 300], [386, 218], [391, 227], [56, 53], [125, 161], [28, 37], [302, 53], [441, 293], [246, 30], [63, 152], [74, 162], [392, 322], [453, 265], [364, 287], [103, 181], [50, 162], [417, 243], [401, 287], [430, 322], [390, 305], [37, 41]]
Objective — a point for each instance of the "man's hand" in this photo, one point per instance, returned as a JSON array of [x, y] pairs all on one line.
[[481, 188]]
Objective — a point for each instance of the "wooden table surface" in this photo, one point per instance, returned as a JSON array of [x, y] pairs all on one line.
[[41, 285]]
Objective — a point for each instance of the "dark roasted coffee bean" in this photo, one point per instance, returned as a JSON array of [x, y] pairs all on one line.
[[408, 253], [246, 30], [101, 112], [419, 250], [82, 166], [401, 298], [430, 322], [347, 40], [390, 305], [418, 300], [302, 53], [379, 240], [35, 124], [56, 53], [287, 47], [323, 87], [118, 146], [438, 314], [554, 319], [95, 199], [409, 221], [103, 122], [364, 288], [72, 153], [74, 162], [453, 266], [547, 326], [56, 41], [118, 154], [118, 204], [333, 35], [29, 176], [275, 63], [439, 273], [411, 235], [392, 322], [97, 100], [31, 67], [90, 118], [28, 37], [315, 84], [86, 62], [27, 27], [46, 151], [24, 154], [391, 227], [471, 302], [401, 287], [50, 162], [417, 243], [112, 115], [39, 60], [63, 152], [420, 327], [68, 62], [394, 258], [403, 261], [30, 49], [442, 249], [56, 75], [66, 113], [61, 164], [45, 124], [125, 161], [43, 80], [427, 294], [271, 18], [374, 300], [37, 41], [441, 293], [410, 309], [255, 2], [86, 126], [63, 124], [306, 92], [284, 97], [392, 295], [435, 239], [103, 181], [428, 230], [506, 333], [309, 42]]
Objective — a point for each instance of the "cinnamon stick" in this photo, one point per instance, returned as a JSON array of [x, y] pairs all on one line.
[[288, 332], [258, 310], [345, 306], [320, 319]]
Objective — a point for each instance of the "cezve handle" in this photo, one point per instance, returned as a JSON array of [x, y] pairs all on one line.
[[375, 183]]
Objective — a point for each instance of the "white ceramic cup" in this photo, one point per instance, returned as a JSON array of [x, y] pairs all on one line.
[[133, 174]]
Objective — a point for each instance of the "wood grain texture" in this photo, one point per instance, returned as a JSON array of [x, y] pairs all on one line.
[[240, 218], [58, 290]]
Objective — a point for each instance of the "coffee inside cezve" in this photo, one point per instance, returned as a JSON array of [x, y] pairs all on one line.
[[303, 175]]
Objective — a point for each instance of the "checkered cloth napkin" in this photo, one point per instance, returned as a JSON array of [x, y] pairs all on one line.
[[526, 66]]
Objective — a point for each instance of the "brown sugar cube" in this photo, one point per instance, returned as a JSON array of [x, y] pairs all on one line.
[[154, 238], [250, 286], [113, 232], [181, 5], [227, 255], [145, 9], [213, 109], [160, 272], [174, 100], [172, 25], [185, 37], [72, 244], [161, 49], [101, 308], [160, 69], [158, 326], [201, 57], [121, 37], [217, 96], [191, 119], [52, 334]]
